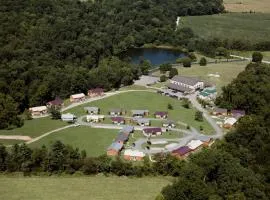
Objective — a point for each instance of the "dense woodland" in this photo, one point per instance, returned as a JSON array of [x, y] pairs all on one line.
[[52, 48]]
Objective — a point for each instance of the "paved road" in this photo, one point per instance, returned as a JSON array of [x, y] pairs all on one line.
[[107, 94], [249, 59], [211, 121]]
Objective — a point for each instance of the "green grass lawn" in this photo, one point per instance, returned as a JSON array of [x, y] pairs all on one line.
[[10, 142], [94, 141], [251, 27], [146, 100], [33, 128], [81, 188], [227, 72]]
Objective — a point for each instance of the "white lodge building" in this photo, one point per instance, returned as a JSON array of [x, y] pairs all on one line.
[[185, 84]]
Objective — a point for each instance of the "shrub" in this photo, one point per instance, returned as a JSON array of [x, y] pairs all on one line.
[[173, 72], [186, 62], [257, 57], [163, 78], [203, 61]]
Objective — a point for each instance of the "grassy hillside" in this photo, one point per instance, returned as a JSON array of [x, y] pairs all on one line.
[[252, 27], [81, 188], [94, 141], [146, 100], [247, 5]]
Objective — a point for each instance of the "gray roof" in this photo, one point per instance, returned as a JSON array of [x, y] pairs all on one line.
[[178, 87], [186, 80], [89, 109], [127, 129], [203, 138], [139, 112], [142, 120], [221, 110]]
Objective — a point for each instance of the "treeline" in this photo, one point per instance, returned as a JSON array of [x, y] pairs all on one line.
[[239, 166], [210, 45]]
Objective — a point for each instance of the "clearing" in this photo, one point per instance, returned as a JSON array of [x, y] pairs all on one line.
[[247, 5], [83, 188], [94, 141], [253, 27], [227, 71], [146, 100], [32, 128]]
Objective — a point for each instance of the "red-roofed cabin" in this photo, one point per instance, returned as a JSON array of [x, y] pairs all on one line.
[[152, 131], [161, 115], [181, 152], [57, 102], [118, 120], [95, 92]]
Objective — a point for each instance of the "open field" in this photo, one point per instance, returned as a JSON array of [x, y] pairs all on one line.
[[247, 5], [146, 100], [81, 188], [227, 72], [250, 27], [33, 128], [94, 141], [248, 54]]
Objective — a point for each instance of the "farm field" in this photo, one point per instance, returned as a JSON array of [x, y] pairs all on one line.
[[81, 188], [247, 5], [146, 100], [227, 72], [93, 141], [244, 26], [33, 128]]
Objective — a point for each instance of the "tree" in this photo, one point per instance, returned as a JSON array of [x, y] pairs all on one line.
[[165, 67], [163, 78], [55, 113], [173, 72], [145, 65], [9, 113], [186, 103], [203, 61], [170, 107], [257, 57], [221, 51], [186, 62], [199, 116]]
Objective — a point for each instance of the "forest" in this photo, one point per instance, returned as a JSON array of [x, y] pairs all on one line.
[[52, 48]]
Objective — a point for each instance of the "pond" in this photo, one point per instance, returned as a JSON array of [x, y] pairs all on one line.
[[154, 55]]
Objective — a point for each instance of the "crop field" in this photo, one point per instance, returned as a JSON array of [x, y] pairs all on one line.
[[247, 5], [146, 101], [94, 141], [244, 26], [81, 188]]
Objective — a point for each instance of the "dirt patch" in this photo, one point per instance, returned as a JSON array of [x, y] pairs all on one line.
[[15, 137]]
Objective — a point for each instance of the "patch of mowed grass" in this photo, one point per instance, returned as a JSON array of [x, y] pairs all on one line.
[[146, 100], [10, 142], [83, 188], [243, 26], [35, 127], [227, 71], [95, 141], [248, 54]]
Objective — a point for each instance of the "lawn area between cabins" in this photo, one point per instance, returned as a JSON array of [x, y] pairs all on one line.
[[81, 188], [253, 27], [227, 71], [146, 100], [94, 141], [33, 128]]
